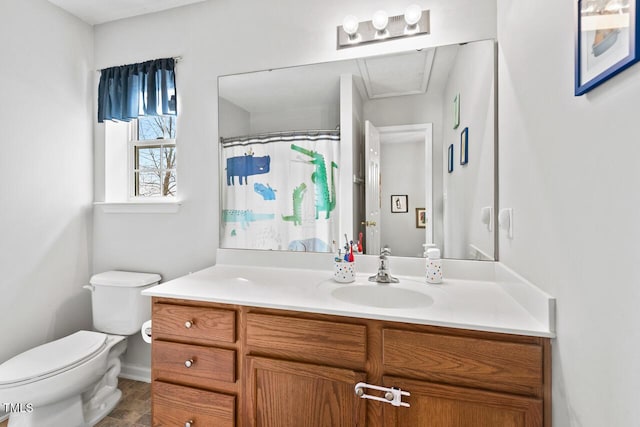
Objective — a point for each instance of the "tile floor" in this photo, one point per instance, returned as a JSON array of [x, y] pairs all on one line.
[[134, 409]]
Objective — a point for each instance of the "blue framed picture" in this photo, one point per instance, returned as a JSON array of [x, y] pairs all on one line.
[[450, 159], [606, 41], [464, 146]]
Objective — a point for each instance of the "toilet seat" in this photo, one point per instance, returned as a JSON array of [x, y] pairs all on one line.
[[51, 358]]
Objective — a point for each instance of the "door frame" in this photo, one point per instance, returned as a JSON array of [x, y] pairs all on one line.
[[427, 128]]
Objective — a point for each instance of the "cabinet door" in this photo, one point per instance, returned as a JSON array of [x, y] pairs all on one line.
[[435, 405], [291, 394]]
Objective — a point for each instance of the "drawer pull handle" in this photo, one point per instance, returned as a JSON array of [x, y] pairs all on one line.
[[189, 323], [189, 423], [189, 363]]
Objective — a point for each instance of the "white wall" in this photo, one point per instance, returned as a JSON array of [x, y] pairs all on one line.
[[298, 118], [234, 120], [402, 174], [469, 187], [350, 194], [46, 174], [569, 169], [212, 43]]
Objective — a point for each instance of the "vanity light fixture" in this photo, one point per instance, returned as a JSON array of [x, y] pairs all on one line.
[[350, 26], [415, 21], [412, 17], [379, 21]]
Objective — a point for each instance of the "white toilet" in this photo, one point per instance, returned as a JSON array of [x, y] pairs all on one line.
[[73, 381]]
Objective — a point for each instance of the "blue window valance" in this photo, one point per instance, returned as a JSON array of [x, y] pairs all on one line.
[[145, 89]]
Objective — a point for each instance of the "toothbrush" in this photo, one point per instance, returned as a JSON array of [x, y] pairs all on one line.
[[351, 258], [360, 242]]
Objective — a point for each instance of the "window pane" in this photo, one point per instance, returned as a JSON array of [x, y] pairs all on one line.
[[148, 157], [148, 184], [156, 127], [169, 183], [168, 157]]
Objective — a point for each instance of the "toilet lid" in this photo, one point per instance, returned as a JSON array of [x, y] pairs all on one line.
[[51, 357]]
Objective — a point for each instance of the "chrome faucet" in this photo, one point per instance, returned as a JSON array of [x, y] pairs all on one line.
[[383, 275]]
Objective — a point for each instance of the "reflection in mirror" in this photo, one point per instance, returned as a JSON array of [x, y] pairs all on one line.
[[361, 147]]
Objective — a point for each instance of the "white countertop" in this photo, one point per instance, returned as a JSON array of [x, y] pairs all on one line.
[[483, 305]]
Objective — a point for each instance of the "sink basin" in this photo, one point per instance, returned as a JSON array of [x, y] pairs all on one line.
[[382, 296]]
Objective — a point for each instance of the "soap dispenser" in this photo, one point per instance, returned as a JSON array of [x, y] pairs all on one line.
[[426, 247], [434, 266]]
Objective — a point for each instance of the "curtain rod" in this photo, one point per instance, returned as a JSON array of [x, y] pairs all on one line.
[[175, 58], [290, 133]]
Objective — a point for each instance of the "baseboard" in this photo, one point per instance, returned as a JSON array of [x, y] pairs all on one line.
[[136, 373]]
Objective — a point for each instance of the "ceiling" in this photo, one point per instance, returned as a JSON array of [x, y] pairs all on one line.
[[316, 85], [100, 11]]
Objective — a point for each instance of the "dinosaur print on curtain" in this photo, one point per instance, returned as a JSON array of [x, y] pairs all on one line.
[[279, 191]]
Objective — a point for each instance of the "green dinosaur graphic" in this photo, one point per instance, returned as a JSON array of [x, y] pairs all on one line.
[[325, 201], [244, 217], [298, 194]]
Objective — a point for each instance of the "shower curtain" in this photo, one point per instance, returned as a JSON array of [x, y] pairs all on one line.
[[279, 191]]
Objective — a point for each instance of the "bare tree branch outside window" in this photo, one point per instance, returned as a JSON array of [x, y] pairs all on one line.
[[156, 164]]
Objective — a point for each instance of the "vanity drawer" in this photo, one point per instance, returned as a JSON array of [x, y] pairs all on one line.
[[480, 363], [316, 341], [206, 363], [186, 323], [175, 405]]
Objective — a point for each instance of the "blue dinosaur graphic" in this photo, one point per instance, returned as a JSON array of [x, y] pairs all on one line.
[[244, 217], [243, 166], [265, 191]]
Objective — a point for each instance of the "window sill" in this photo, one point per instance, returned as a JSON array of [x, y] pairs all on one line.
[[160, 207]]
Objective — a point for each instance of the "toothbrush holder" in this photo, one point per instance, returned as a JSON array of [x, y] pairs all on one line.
[[344, 272]]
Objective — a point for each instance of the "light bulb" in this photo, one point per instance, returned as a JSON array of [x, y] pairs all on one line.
[[413, 14], [380, 20], [350, 25]]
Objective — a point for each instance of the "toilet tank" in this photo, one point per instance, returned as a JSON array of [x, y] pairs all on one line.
[[118, 308]]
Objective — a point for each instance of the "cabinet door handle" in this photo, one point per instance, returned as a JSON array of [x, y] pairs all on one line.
[[392, 396], [189, 423], [189, 363], [189, 323]]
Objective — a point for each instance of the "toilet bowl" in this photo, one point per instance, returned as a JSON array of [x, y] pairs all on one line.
[[73, 381]]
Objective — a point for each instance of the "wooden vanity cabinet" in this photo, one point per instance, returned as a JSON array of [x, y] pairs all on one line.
[[194, 364], [276, 368]]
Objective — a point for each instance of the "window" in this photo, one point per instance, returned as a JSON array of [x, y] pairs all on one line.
[[153, 157]]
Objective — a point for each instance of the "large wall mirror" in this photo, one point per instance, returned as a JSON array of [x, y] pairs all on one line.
[[395, 150]]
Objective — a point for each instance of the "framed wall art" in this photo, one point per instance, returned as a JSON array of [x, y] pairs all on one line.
[[399, 203], [421, 217], [456, 111], [606, 41], [464, 146]]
